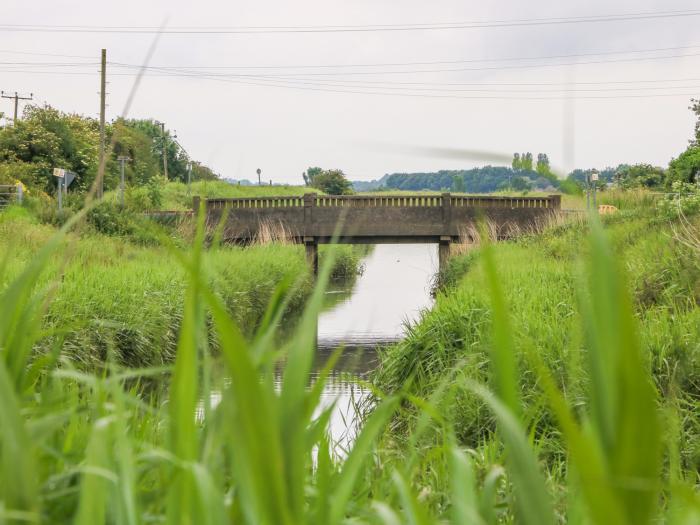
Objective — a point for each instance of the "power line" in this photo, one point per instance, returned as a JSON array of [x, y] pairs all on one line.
[[32, 53], [506, 59], [648, 15], [289, 85], [439, 62], [490, 89], [382, 82], [421, 71], [498, 84], [52, 64], [183, 72], [396, 64], [379, 85], [387, 86]]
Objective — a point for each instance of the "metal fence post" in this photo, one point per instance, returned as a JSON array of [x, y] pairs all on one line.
[[19, 193]]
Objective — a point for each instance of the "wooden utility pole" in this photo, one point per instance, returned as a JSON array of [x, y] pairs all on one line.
[[103, 99], [17, 98], [165, 150]]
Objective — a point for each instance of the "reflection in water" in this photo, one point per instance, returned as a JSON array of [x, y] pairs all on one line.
[[361, 317], [393, 290]]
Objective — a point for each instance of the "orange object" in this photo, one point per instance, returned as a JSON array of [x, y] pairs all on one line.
[[604, 209]]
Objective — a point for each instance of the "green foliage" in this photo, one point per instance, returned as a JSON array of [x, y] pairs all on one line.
[[109, 219], [520, 184], [575, 402], [83, 447], [477, 180], [684, 200], [640, 175], [310, 175], [570, 187], [543, 164], [47, 138], [686, 167], [458, 184], [546, 338], [155, 191], [332, 182]]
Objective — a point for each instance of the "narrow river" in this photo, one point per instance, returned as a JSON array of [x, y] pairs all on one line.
[[370, 313], [362, 316]]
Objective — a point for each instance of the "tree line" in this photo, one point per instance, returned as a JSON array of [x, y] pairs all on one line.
[[46, 138], [526, 174]]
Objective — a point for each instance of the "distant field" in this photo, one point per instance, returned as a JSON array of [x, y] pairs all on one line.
[[177, 197], [568, 202]]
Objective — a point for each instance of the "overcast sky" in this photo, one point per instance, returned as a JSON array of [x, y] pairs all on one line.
[[283, 119]]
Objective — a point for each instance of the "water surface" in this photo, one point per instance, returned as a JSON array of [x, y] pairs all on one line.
[[393, 289], [361, 316]]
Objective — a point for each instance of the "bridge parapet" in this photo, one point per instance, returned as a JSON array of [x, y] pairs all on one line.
[[255, 202], [389, 201]]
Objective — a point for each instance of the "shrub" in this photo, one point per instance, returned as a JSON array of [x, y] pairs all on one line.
[[109, 219], [685, 200]]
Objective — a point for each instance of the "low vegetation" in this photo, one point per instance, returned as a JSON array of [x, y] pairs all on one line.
[[121, 290], [541, 281], [533, 393]]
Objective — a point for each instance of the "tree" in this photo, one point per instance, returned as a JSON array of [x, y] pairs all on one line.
[[517, 163], [457, 184], [311, 174], [640, 175], [521, 184], [332, 182], [686, 167], [543, 164], [47, 138], [526, 162]]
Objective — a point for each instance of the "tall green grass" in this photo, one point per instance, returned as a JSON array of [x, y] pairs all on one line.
[[126, 299], [101, 448]]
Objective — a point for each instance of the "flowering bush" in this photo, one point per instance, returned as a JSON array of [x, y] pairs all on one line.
[[685, 199]]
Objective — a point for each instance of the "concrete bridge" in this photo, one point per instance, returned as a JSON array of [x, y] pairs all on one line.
[[369, 219]]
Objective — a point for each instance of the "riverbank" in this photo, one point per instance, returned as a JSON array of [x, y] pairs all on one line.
[[116, 296], [541, 278]]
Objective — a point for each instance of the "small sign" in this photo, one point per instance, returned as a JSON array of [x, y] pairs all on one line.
[[67, 176], [594, 176]]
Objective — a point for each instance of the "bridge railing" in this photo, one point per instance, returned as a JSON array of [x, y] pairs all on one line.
[[256, 202], [469, 201], [383, 201], [387, 201]]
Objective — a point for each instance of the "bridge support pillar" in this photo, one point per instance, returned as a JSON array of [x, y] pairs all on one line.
[[444, 251], [311, 245]]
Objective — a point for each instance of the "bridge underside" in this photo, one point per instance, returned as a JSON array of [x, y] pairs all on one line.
[[377, 239], [316, 219]]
